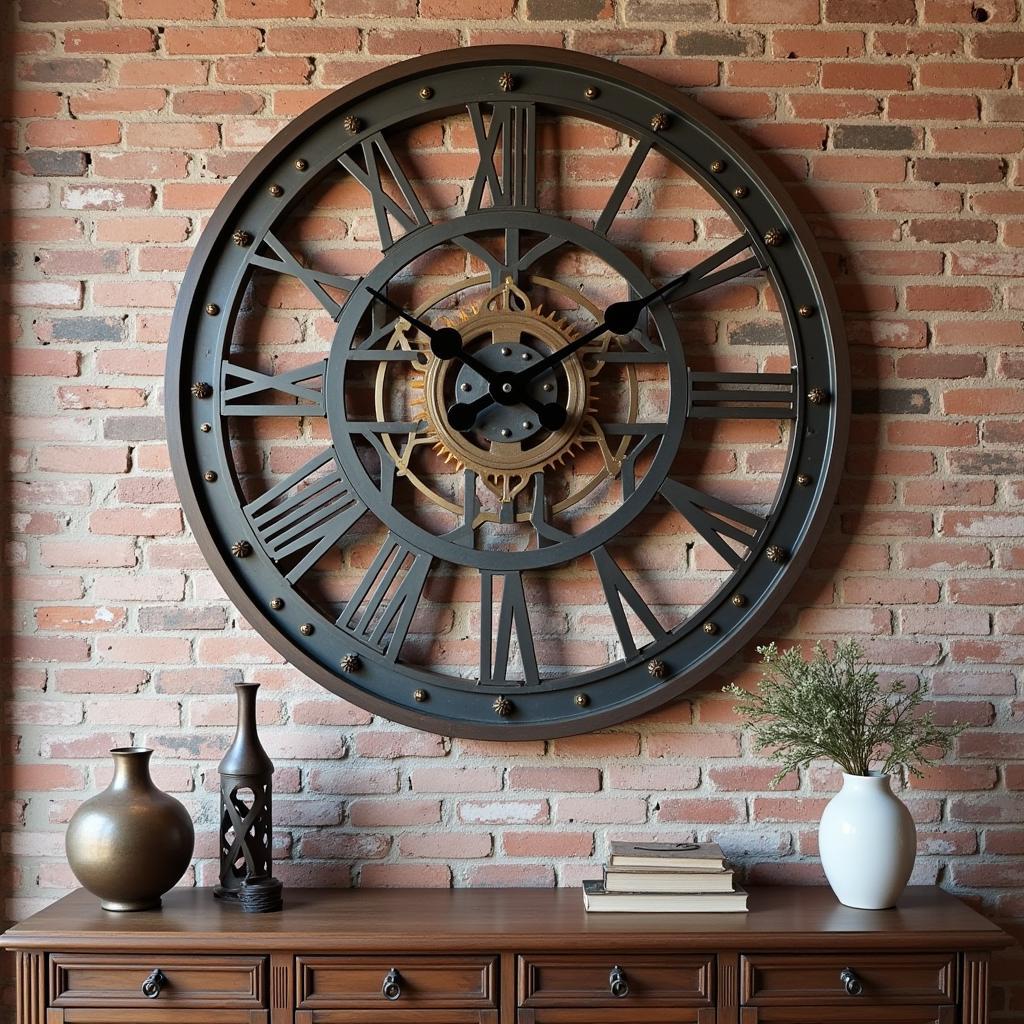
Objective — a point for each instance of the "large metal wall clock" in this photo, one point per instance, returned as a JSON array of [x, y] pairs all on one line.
[[506, 393]]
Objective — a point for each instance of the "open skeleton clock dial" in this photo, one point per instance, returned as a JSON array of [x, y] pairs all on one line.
[[506, 393]]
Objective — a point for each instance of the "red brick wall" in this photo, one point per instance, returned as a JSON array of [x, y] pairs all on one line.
[[898, 126]]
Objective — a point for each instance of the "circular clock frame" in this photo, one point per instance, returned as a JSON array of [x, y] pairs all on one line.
[[430, 87]]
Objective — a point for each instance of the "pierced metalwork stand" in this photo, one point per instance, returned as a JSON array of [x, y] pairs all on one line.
[[246, 792]]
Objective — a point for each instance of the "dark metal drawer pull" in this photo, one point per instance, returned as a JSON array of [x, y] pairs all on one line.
[[617, 984], [391, 988], [153, 985], [853, 985]]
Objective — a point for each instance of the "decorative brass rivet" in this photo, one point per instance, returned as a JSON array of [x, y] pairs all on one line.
[[506, 83], [739, 601], [276, 191], [420, 696], [656, 669], [350, 663], [581, 700], [591, 92], [710, 628], [502, 706], [803, 479], [740, 192], [817, 396], [201, 389], [241, 549], [659, 122], [717, 166], [277, 603], [301, 165], [774, 237], [242, 238], [306, 629], [352, 124], [205, 427], [774, 553], [806, 311], [426, 93], [212, 309], [210, 476]]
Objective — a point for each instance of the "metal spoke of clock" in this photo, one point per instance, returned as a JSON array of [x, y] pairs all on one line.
[[292, 383], [515, 262], [715, 519], [711, 270], [622, 187]]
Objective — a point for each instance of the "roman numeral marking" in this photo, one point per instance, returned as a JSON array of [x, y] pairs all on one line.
[[305, 514], [619, 592], [710, 271], [715, 519], [294, 383], [744, 396], [407, 212], [381, 609], [511, 137], [622, 187], [314, 280], [513, 616]]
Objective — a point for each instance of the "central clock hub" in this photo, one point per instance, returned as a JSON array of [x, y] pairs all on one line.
[[509, 419]]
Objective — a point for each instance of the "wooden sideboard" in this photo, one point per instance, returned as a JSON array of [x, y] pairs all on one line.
[[503, 956]]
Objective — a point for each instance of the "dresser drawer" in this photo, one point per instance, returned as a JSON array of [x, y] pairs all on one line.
[[414, 981], [105, 980], [817, 980], [638, 978]]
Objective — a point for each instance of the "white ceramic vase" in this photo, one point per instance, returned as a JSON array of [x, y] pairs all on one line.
[[868, 842]]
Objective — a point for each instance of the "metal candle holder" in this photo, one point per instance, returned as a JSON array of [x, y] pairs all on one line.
[[246, 792]]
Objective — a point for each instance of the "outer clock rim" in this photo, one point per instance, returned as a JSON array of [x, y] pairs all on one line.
[[509, 58]]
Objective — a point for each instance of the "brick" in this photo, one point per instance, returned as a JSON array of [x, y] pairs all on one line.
[[959, 171], [62, 11], [797, 12], [73, 134], [66, 70], [570, 10], [211, 40], [56, 164], [167, 10], [876, 136], [263, 70], [945, 297], [811, 43], [269, 8], [718, 43], [997, 45], [109, 40], [875, 12]]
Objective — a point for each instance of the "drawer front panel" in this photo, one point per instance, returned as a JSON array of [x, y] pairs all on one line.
[[422, 981], [586, 980], [769, 979], [864, 1014], [101, 980]]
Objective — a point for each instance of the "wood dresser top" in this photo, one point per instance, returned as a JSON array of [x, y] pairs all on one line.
[[432, 920]]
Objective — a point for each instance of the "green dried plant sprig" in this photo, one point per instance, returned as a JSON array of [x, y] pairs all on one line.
[[834, 707]]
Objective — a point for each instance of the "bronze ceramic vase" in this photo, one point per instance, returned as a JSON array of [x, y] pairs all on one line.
[[131, 843]]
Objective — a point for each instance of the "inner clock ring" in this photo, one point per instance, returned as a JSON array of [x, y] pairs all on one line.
[[350, 435]]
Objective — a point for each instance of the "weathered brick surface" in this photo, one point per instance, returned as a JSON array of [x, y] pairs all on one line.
[[898, 126]]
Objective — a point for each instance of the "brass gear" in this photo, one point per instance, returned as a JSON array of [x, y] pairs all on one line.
[[588, 430], [504, 316]]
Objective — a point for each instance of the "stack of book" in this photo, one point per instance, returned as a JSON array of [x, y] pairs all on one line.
[[665, 878]]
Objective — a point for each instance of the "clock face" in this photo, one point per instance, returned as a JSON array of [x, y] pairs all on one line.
[[506, 393]]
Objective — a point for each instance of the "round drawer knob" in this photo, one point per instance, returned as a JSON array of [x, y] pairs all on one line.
[[853, 985], [392, 988], [617, 984], [154, 984]]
